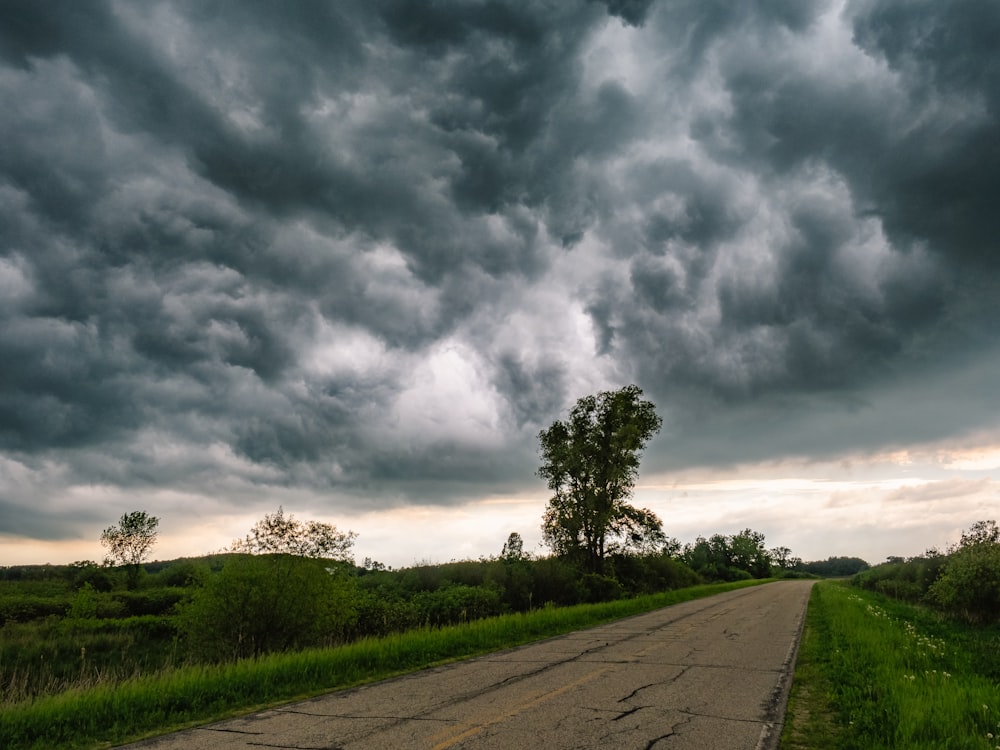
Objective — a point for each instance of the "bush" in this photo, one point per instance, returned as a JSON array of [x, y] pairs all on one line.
[[456, 604], [150, 602], [259, 604], [969, 586], [597, 588], [27, 608], [652, 573]]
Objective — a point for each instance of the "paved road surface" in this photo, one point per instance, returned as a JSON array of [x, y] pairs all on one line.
[[711, 674]]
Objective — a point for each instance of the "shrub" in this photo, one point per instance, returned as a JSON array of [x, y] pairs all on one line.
[[456, 604], [597, 588], [969, 586], [150, 602], [259, 604], [27, 608]]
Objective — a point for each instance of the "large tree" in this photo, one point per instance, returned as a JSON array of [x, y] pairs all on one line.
[[282, 534], [591, 462], [130, 541]]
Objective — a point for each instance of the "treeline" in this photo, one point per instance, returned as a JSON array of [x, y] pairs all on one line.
[[962, 582]]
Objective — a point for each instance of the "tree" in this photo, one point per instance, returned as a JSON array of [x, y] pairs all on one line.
[[513, 549], [748, 553], [591, 462], [969, 583], [979, 534], [264, 603], [277, 533], [729, 558], [130, 541]]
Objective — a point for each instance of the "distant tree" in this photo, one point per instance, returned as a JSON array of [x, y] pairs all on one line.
[[373, 565], [277, 533], [834, 567], [748, 553], [513, 548], [729, 558], [130, 541], [980, 533], [591, 462], [782, 558]]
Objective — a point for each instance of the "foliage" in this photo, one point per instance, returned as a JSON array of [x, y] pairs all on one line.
[[969, 583], [834, 567], [260, 604], [279, 534], [981, 533], [130, 541], [782, 559], [591, 462], [964, 583], [513, 549], [729, 558], [652, 573]]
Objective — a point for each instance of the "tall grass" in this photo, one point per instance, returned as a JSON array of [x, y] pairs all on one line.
[[874, 673], [178, 697]]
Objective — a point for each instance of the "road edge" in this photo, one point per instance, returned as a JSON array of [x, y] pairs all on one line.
[[770, 735]]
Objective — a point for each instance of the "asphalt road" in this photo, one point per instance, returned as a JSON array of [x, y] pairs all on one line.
[[712, 674]]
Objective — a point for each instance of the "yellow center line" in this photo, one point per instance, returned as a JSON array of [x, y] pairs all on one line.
[[464, 731]]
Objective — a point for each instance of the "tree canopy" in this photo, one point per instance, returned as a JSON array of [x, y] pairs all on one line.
[[277, 533], [591, 462], [131, 540]]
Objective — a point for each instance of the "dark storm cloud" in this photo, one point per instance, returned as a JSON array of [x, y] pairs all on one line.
[[922, 167], [263, 241]]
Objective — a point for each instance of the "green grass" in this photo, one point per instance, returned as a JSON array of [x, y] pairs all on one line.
[[107, 714], [874, 673]]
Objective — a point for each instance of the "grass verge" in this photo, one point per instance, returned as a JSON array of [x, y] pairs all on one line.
[[176, 698], [873, 673]]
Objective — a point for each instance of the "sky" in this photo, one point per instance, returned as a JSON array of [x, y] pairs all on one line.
[[349, 258]]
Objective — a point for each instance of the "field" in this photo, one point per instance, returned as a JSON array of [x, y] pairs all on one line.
[[877, 673]]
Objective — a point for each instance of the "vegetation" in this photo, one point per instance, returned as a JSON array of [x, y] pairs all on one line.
[[963, 583], [130, 541], [278, 534], [258, 605], [877, 673], [591, 462], [729, 558], [109, 712], [833, 567]]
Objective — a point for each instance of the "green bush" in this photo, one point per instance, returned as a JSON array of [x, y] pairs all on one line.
[[596, 588], [27, 608], [456, 604], [969, 586], [160, 601], [266, 603]]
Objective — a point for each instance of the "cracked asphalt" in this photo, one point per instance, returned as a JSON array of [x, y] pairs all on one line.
[[712, 673]]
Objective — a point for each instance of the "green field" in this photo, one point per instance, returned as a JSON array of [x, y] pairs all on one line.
[[876, 673]]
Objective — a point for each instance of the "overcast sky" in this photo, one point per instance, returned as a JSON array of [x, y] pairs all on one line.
[[350, 258]]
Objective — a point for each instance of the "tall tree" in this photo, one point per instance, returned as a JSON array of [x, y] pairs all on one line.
[[591, 462], [277, 533], [130, 541]]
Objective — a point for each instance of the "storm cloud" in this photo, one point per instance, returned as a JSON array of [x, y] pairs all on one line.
[[368, 249]]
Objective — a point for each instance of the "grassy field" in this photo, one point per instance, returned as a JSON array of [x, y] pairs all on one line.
[[117, 711], [875, 673]]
